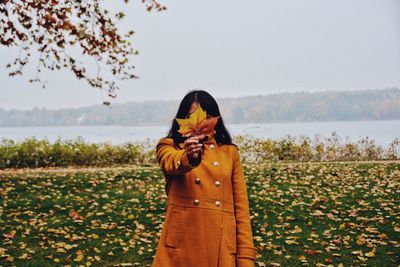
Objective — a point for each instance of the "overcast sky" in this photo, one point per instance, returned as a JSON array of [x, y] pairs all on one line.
[[237, 48]]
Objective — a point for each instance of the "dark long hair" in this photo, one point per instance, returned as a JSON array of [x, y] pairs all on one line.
[[210, 106]]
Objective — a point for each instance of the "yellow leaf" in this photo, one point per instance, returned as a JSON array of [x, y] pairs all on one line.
[[24, 256], [195, 118], [290, 218], [79, 257], [291, 242], [318, 213], [371, 253], [297, 229], [274, 264], [197, 123]]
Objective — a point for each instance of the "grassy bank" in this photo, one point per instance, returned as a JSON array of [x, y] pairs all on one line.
[[302, 214]]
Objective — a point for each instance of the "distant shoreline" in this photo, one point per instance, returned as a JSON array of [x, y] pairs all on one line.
[[297, 107]]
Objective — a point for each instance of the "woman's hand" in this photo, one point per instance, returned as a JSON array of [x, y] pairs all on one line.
[[193, 146]]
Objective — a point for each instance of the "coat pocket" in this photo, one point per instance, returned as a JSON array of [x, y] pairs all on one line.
[[175, 229], [232, 245]]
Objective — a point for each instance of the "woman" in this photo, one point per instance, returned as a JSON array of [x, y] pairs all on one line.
[[207, 222]]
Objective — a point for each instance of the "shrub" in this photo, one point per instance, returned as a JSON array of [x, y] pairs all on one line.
[[41, 153]]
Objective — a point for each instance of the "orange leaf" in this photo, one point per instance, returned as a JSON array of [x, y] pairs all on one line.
[[312, 252], [75, 215], [11, 234]]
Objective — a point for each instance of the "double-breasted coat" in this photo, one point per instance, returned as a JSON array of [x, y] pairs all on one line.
[[207, 221]]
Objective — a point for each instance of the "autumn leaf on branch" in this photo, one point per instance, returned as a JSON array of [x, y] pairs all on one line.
[[197, 124], [56, 28]]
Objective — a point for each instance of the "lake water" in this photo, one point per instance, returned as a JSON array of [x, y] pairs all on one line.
[[383, 131]]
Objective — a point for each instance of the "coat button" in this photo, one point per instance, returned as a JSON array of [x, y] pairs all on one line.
[[196, 202], [217, 183], [217, 203], [216, 163], [197, 180], [212, 146]]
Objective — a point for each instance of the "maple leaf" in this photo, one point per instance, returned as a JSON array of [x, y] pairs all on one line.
[[197, 123]]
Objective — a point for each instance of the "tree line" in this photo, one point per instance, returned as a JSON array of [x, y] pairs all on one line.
[[372, 104]]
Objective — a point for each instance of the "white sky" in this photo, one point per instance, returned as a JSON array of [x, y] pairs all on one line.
[[237, 48]]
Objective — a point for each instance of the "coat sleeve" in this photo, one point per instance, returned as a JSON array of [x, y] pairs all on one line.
[[173, 161], [246, 251]]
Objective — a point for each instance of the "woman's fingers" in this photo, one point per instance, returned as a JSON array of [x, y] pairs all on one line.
[[194, 139], [190, 141], [197, 149], [201, 137], [193, 146]]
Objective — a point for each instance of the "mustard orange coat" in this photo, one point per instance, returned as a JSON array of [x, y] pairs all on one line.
[[207, 222]]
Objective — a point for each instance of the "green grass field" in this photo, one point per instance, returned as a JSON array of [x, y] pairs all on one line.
[[325, 214]]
